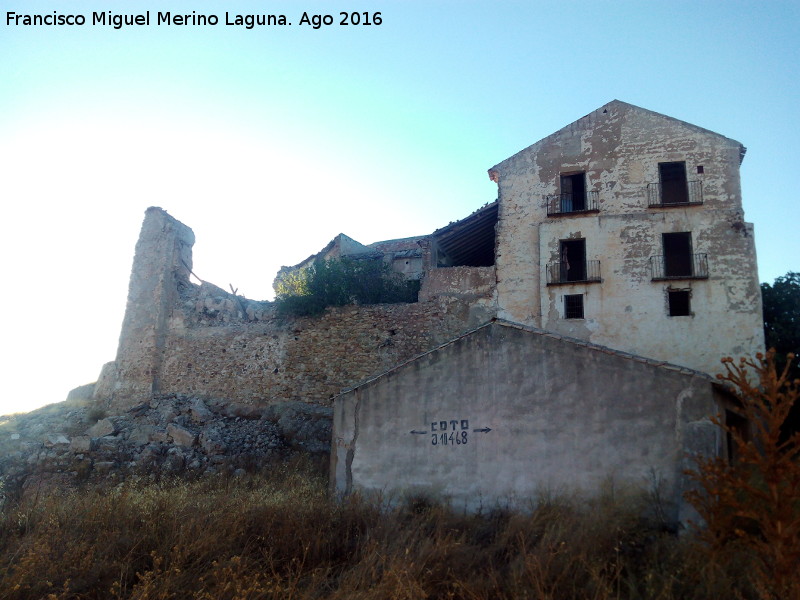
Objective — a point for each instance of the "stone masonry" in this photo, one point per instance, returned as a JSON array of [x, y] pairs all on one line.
[[182, 338]]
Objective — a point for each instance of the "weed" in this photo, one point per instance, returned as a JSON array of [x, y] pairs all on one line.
[[277, 535], [751, 503]]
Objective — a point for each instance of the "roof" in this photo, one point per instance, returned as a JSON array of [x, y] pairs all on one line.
[[661, 364], [471, 240]]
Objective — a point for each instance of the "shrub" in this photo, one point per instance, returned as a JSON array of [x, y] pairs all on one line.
[[337, 282], [751, 503]]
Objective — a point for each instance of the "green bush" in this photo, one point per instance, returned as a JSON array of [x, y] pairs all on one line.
[[337, 282]]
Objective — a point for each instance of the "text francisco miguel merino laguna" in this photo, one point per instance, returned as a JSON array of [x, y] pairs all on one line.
[[117, 21]]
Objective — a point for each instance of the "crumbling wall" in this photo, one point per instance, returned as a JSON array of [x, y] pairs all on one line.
[[182, 338], [161, 267], [618, 149], [309, 358], [458, 282]]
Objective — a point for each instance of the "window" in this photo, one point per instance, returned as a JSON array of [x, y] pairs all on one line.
[[573, 306], [678, 254], [679, 303], [572, 266], [677, 261], [737, 425], [573, 192], [674, 188], [573, 260]]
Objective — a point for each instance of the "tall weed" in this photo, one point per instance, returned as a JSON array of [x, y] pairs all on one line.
[[751, 503], [277, 536]]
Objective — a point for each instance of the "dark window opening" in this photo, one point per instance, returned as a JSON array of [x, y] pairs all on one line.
[[573, 306], [678, 254], [679, 303], [573, 192], [674, 187], [573, 260], [737, 426], [700, 169]]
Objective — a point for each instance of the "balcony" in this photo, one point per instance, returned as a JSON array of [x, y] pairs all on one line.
[[575, 272], [679, 266], [563, 204], [667, 195]]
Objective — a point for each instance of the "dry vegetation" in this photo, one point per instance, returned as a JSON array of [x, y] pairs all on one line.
[[751, 505], [279, 536]]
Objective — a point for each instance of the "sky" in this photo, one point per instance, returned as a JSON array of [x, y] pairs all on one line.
[[270, 141]]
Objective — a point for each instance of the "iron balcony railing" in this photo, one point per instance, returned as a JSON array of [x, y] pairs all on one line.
[[658, 197], [573, 272], [679, 266], [561, 204]]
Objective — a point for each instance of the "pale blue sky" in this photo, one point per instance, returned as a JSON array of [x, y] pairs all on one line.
[[270, 141]]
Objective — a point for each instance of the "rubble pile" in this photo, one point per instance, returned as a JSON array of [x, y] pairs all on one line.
[[178, 435]]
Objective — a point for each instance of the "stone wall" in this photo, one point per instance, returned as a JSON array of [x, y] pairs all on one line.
[[161, 267], [310, 358], [183, 338]]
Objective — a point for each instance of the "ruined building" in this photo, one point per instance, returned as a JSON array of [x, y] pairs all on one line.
[[626, 228], [607, 280]]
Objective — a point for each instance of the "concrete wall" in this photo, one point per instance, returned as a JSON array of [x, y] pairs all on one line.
[[522, 412], [619, 147]]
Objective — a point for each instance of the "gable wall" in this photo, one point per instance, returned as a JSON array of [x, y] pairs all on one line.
[[619, 151], [562, 418]]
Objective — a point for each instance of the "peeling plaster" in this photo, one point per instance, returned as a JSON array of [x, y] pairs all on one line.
[[621, 148]]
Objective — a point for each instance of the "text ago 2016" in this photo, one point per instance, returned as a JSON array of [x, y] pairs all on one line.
[[344, 18]]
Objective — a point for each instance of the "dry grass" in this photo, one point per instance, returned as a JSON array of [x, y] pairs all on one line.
[[279, 536]]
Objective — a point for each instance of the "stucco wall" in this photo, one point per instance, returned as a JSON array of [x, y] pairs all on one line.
[[533, 413], [460, 282], [619, 147]]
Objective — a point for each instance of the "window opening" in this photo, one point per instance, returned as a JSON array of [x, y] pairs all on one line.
[[674, 187], [573, 192], [573, 306], [572, 266], [573, 260], [736, 423], [677, 254], [679, 303]]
